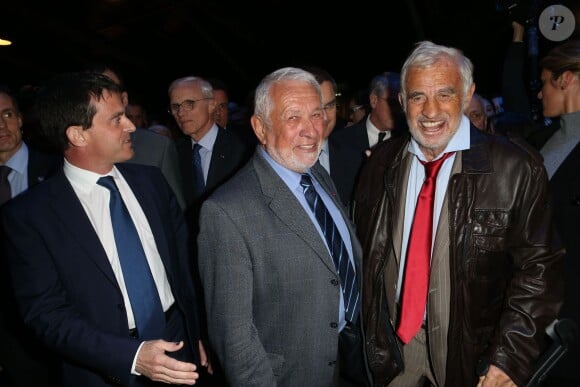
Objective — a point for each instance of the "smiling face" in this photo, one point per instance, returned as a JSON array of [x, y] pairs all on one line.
[[435, 105], [293, 133]]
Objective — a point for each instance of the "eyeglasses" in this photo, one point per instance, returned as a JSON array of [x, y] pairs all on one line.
[[187, 105], [331, 105], [8, 115]]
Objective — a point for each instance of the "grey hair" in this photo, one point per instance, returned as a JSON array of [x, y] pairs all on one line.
[[205, 86], [262, 100], [426, 54]]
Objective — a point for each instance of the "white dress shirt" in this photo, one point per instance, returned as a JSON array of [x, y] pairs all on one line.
[[95, 201], [460, 141]]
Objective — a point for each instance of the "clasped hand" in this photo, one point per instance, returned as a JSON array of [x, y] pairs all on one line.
[[155, 364]]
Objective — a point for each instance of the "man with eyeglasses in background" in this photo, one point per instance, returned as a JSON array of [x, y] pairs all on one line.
[[218, 153]]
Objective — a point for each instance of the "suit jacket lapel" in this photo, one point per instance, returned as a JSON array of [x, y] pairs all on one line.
[[392, 269], [286, 207], [69, 210]]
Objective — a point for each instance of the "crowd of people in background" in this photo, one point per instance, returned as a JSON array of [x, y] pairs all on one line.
[[280, 238]]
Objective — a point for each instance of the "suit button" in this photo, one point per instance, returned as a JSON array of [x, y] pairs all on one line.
[[333, 325], [334, 281], [575, 201]]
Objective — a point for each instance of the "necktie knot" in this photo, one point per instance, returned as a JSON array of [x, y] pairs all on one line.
[[306, 181], [109, 183], [4, 172], [432, 167], [382, 136]]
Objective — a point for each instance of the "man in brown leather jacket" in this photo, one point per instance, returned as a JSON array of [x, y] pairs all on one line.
[[495, 267]]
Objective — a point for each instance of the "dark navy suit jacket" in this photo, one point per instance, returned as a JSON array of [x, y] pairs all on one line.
[[67, 292]]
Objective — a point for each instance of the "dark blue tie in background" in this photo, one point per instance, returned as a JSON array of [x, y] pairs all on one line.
[[143, 294], [337, 249], [5, 189], [199, 180]]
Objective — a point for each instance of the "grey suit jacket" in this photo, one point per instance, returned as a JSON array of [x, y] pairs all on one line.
[[159, 151], [271, 289]]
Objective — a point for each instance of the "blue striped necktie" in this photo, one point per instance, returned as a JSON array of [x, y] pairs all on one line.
[[337, 249], [143, 294]]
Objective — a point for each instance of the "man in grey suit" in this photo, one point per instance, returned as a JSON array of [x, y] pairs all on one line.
[[159, 151], [274, 298]]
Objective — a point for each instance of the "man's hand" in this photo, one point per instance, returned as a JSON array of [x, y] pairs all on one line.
[[495, 377], [153, 363]]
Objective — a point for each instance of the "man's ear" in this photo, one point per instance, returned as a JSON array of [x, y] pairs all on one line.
[[76, 135], [259, 128], [401, 102], [565, 79], [467, 99]]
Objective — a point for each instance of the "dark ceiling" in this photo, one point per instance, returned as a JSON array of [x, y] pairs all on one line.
[[155, 41]]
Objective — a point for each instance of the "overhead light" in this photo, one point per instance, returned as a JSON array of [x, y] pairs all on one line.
[[4, 42]]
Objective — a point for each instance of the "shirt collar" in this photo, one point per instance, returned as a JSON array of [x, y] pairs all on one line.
[[208, 140], [83, 179], [19, 160]]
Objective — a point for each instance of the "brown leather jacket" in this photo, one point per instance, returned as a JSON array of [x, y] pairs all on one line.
[[505, 261]]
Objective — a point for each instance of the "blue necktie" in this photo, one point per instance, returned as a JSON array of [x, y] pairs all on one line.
[[143, 294], [337, 249], [199, 180]]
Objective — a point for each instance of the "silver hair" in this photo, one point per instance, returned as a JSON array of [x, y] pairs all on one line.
[[262, 99], [426, 54], [205, 86]]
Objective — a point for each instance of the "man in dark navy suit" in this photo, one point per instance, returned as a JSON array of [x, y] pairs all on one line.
[[23, 360], [61, 244]]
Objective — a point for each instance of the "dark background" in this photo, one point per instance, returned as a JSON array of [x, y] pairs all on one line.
[[155, 41]]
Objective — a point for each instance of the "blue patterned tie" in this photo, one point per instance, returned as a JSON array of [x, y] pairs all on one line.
[[199, 180], [143, 294], [337, 249]]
